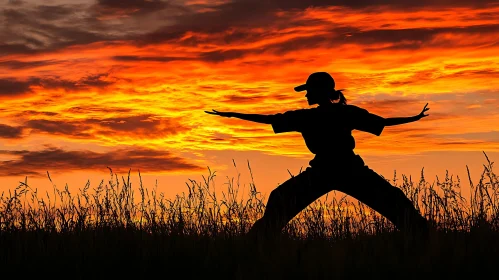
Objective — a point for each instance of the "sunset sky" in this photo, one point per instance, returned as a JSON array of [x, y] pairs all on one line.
[[86, 85]]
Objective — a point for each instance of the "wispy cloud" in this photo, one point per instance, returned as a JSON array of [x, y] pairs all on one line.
[[19, 64], [55, 159], [14, 87], [11, 87], [10, 132], [138, 126]]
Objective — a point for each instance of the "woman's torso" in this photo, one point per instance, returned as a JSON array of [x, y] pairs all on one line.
[[328, 131]]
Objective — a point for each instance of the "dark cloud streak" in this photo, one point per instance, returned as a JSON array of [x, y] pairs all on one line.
[[133, 126], [107, 7], [244, 99], [48, 28], [17, 64], [98, 110], [60, 127], [55, 159], [11, 132], [133, 58], [14, 87]]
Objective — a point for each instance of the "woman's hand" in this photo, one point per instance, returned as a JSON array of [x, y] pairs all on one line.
[[222, 114], [422, 114]]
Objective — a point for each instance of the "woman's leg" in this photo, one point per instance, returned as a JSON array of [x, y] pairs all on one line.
[[288, 199], [377, 193]]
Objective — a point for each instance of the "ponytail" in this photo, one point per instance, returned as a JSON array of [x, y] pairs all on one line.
[[338, 94], [343, 100]]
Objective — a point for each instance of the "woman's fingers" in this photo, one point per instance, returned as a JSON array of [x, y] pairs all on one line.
[[213, 112], [218, 113], [422, 114], [425, 108]]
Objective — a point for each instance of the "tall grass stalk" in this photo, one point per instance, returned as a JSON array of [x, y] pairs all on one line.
[[202, 211]]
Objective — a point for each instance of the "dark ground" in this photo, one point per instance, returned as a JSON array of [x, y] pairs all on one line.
[[131, 254]]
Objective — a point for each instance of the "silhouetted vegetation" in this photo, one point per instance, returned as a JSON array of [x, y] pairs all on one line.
[[115, 230]]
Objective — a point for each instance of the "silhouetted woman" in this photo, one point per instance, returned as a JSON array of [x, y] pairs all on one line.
[[327, 131]]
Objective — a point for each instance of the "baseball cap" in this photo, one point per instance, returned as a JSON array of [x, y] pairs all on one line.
[[317, 80]]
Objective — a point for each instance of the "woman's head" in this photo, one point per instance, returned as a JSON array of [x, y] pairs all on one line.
[[320, 87]]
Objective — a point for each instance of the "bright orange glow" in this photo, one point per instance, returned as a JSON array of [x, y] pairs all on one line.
[[131, 92]]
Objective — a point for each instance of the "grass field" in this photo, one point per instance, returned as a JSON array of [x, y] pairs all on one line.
[[116, 231]]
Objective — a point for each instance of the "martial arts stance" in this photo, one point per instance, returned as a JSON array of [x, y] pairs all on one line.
[[327, 131]]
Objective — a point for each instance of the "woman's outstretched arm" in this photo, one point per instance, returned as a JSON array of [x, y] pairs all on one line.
[[397, 121], [248, 117]]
